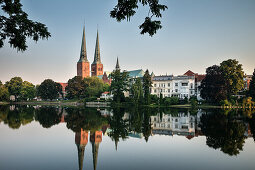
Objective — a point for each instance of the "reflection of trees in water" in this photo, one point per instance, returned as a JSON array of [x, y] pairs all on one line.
[[47, 116], [119, 126], [86, 119], [21, 115], [251, 121], [223, 132]]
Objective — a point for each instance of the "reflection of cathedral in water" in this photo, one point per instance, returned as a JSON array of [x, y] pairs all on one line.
[[81, 140]]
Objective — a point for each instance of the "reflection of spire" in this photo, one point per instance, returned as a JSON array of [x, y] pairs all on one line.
[[95, 139], [81, 140], [81, 150], [95, 147], [116, 144]]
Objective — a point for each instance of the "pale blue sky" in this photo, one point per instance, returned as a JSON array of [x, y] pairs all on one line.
[[195, 34]]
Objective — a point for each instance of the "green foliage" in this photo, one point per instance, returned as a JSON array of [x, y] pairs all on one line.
[[147, 83], [233, 75], [137, 91], [251, 91], [171, 101], [49, 89], [223, 133], [47, 116], [125, 9], [221, 82], [193, 102], [75, 87], [93, 87], [15, 86], [85, 88], [119, 84], [86, 119], [20, 115], [28, 91], [4, 94], [154, 99], [213, 85], [16, 26]]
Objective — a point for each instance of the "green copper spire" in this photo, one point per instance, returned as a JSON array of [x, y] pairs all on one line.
[[83, 55], [97, 58], [117, 65]]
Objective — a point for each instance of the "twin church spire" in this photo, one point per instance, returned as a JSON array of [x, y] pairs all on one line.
[[83, 66]]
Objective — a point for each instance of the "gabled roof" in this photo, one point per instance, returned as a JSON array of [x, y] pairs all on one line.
[[189, 73], [136, 73]]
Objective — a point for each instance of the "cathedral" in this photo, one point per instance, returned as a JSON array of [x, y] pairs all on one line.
[[83, 65]]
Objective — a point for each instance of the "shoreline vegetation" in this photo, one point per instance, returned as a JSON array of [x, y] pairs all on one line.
[[108, 104]]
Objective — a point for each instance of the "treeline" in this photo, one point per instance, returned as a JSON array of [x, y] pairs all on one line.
[[224, 84], [77, 88]]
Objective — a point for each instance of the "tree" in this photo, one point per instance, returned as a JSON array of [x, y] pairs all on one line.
[[137, 91], [93, 87], [75, 87], [251, 91], [119, 85], [16, 26], [233, 75], [125, 9], [4, 94], [49, 89], [14, 86], [28, 91], [213, 85], [147, 83]]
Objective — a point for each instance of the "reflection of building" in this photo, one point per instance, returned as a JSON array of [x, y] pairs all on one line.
[[81, 140], [182, 124], [95, 139]]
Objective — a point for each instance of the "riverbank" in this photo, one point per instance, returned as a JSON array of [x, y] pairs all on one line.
[[77, 103]]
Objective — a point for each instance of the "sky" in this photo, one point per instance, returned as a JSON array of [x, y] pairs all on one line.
[[196, 34]]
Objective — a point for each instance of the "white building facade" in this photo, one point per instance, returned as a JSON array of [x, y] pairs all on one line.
[[182, 86]]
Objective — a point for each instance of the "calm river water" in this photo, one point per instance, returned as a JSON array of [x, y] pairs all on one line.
[[40, 138]]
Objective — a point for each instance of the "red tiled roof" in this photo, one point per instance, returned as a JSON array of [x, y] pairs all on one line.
[[189, 73], [106, 92], [199, 77]]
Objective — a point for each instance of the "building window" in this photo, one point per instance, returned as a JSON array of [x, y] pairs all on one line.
[[176, 120], [168, 90], [176, 84], [168, 84], [191, 85], [155, 91], [155, 85], [161, 90], [176, 90], [184, 84]]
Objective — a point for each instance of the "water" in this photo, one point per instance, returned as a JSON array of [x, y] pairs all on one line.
[[136, 138]]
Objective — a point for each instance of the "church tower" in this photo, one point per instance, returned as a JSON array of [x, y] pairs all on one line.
[[97, 66], [83, 65]]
